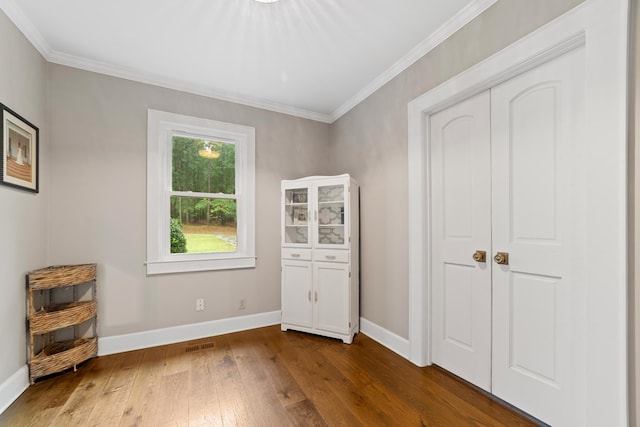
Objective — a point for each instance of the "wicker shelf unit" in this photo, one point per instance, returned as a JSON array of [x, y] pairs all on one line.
[[61, 318]]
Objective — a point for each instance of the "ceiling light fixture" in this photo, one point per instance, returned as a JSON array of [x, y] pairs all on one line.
[[267, 1]]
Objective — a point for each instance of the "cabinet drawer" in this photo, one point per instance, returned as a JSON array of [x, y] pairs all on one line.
[[330, 255], [302, 254]]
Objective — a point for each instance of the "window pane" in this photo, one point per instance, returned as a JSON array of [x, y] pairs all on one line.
[[203, 225], [203, 166]]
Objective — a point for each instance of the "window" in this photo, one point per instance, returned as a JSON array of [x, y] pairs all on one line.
[[200, 194]]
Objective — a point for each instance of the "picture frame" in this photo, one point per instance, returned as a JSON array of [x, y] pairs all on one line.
[[299, 216], [299, 198], [20, 150]]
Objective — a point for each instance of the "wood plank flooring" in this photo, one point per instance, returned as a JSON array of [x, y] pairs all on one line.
[[262, 377]]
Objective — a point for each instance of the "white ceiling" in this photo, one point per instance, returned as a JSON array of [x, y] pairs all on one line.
[[310, 58]]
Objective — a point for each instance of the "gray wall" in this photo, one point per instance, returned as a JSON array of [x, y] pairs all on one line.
[[98, 198], [22, 214]]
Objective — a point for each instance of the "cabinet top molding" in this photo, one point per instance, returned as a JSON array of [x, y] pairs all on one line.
[[317, 177]]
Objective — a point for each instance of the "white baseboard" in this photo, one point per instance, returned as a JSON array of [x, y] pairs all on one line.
[[385, 337], [13, 387], [156, 337]]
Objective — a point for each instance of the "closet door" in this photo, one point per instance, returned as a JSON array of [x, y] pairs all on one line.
[[538, 200], [461, 225]]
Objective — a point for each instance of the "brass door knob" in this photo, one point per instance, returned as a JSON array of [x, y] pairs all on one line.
[[480, 256], [502, 258]]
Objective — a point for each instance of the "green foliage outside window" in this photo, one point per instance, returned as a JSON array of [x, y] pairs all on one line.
[[178, 241], [193, 170], [223, 211]]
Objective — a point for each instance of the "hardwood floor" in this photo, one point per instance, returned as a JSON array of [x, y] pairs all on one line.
[[262, 377]]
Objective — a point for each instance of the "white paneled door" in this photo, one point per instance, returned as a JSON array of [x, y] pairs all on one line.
[[539, 218], [461, 194], [508, 179]]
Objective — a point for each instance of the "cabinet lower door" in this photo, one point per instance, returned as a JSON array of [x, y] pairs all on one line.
[[331, 296], [297, 305]]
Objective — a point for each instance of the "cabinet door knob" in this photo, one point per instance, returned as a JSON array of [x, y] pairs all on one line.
[[332, 257], [295, 255]]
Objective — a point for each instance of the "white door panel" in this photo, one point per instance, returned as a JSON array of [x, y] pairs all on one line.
[[460, 146], [538, 218], [457, 305], [296, 293], [332, 297]]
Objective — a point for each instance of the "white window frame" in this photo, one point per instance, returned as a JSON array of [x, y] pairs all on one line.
[[161, 127]]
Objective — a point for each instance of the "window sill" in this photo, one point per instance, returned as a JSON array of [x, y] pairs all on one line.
[[186, 266]]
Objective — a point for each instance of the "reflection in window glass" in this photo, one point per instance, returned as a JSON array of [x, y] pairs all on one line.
[[203, 166]]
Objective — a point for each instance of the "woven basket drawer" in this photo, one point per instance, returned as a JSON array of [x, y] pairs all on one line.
[[61, 316], [61, 275], [63, 355]]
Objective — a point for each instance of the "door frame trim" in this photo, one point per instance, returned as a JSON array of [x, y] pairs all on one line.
[[600, 26]]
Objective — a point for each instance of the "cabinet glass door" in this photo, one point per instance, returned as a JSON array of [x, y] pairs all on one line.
[[331, 215], [296, 216]]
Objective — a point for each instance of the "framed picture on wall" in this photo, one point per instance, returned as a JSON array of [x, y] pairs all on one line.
[[20, 152]]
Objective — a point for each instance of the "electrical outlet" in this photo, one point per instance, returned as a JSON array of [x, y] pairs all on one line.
[[243, 304], [200, 304]]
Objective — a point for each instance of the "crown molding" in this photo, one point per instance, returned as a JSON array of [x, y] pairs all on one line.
[[464, 16], [459, 20], [20, 20], [175, 84], [24, 24]]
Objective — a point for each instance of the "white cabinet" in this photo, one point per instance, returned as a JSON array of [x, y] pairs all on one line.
[[320, 276]]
